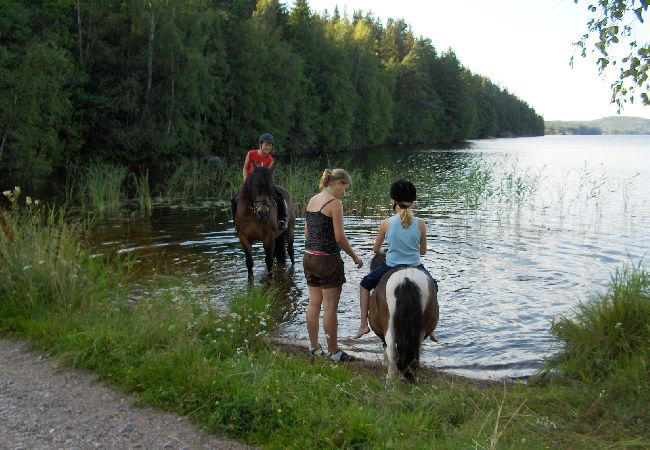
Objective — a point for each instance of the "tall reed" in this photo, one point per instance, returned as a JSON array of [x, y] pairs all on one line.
[[143, 192], [301, 180], [43, 264], [191, 180], [102, 188]]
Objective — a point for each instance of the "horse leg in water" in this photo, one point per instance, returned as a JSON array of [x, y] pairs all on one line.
[[281, 247], [269, 251], [289, 238], [248, 251]]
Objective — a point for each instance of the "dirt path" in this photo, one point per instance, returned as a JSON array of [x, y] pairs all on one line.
[[43, 406]]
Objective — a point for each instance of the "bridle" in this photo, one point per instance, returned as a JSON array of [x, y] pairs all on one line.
[[257, 204]]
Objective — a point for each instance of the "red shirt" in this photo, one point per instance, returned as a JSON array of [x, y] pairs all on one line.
[[260, 160]]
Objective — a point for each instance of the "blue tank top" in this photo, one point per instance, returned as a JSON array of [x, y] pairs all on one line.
[[403, 243]]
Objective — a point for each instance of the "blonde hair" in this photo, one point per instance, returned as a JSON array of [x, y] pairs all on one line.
[[405, 213], [332, 176]]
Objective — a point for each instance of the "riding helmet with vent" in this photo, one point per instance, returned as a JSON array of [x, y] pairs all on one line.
[[266, 137], [402, 191]]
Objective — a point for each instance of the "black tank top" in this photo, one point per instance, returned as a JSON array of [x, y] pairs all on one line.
[[321, 232]]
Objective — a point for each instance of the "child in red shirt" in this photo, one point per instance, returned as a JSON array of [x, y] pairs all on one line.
[[262, 157]]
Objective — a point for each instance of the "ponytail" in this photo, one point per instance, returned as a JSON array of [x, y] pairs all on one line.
[[330, 176], [324, 179], [405, 213]]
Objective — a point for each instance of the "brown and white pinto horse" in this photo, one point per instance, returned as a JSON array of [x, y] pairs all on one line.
[[403, 311]]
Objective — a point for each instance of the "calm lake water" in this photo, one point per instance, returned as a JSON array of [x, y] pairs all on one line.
[[556, 216]]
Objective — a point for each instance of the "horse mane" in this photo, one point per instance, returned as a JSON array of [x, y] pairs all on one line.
[[260, 180]]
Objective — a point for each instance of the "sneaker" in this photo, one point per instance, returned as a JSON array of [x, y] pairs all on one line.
[[341, 356], [318, 351]]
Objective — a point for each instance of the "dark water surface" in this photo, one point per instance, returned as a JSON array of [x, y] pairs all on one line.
[[558, 216]]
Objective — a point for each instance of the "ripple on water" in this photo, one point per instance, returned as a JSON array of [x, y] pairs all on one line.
[[505, 269]]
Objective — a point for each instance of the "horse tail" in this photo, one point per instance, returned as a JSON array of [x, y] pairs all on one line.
[[407, 323]]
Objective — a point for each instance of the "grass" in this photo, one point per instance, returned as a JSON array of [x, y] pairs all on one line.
[[301, 180], [172, 349], [102, 188], [193, 179], [606, 342], [143, 192]]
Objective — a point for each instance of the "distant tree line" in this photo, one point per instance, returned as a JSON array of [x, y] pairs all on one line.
[[573, 129], [606, 125], [146, 82]]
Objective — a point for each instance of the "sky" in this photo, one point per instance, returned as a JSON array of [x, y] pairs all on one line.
[[522, 45]]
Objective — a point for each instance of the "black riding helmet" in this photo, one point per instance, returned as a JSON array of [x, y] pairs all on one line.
[[266, 137], [402, 191]]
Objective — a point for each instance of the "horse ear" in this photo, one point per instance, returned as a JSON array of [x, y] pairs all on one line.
[[255, 165]]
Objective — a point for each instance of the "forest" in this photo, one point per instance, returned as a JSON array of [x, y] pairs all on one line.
[[148, 83]]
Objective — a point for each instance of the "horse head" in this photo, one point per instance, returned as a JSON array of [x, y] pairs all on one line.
[[259, 189]]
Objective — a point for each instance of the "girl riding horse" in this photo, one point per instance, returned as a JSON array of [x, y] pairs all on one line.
[[256, 219], [407, 241]]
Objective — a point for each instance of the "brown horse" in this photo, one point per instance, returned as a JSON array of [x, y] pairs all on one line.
[[403, 311], [256, 219]]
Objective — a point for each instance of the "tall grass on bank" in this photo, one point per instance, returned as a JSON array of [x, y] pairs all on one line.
[[301, 180], [101, 190], [43, 265], [194, 179], [172, 349], [608, 339]]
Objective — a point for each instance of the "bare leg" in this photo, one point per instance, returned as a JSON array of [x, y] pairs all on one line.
[[364, 299], [330, 318], [313, 315]]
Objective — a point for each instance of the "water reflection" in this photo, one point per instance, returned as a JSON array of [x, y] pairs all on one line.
[[506, 267]]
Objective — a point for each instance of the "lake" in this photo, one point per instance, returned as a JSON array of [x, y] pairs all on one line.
[[542, 225]]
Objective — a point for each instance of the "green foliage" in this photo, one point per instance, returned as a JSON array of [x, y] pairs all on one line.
[[143, 192], [171, 348], [606, 125], [193, 179], [152, 84], [611, 27], [610, 335], [300, 179], [44, 266], [102, 188]]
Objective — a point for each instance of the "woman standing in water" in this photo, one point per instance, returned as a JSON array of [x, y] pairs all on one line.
[[323, 266]]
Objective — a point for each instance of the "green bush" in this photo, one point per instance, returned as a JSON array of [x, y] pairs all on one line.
[[609, 337]]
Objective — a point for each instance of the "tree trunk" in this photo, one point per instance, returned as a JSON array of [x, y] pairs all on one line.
[[81, 62], [173, 82], [2, 146], [152, 31]]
